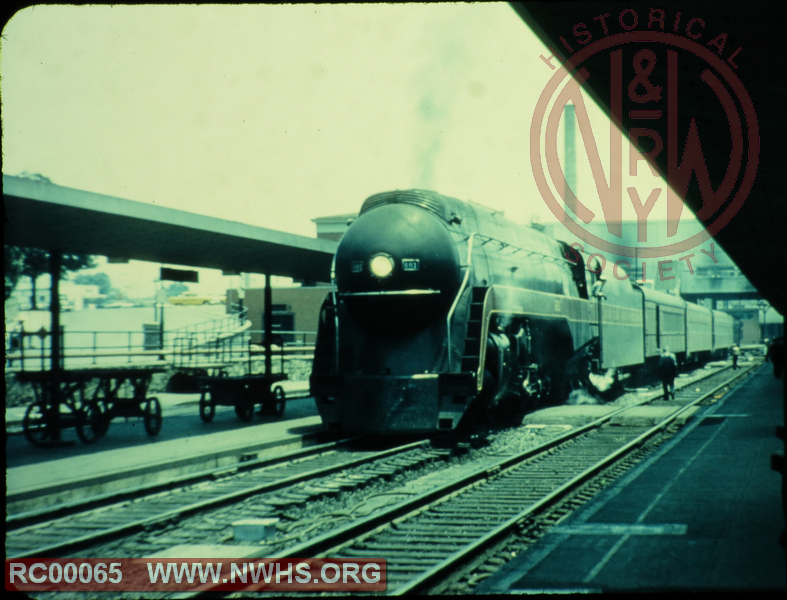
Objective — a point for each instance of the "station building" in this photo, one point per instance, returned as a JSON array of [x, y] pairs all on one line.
[[296, 308]]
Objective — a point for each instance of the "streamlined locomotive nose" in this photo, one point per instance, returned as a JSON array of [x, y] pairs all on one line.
[[397, 257]]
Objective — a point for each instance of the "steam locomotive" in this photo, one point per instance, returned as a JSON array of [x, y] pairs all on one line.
[[444, 310]]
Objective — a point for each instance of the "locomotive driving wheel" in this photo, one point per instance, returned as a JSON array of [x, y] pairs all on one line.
[[152, 418]]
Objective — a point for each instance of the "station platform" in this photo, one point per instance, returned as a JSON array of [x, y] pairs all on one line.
[[702, 513], [126, 456]]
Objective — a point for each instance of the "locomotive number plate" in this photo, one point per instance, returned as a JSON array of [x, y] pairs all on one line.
[[411, 264]]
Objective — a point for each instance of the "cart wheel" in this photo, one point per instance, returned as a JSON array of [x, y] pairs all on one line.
[[245, 411], [152, 416], [105, 420], [279, 401], [207, 410], [91, 423], [34, 424]]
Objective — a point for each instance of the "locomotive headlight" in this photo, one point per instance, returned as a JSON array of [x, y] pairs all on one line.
[[381, 265]]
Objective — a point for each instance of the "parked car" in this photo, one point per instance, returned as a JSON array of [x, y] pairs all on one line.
[[195, 298]]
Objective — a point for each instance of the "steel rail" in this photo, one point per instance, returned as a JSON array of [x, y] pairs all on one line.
[[332, 541], [32, 517], [202, 505], [450, 562]]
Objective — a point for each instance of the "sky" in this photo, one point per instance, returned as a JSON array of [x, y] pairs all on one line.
[[273, 115]]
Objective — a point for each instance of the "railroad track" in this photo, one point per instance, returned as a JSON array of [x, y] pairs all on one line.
[[246, 461], [67, 528], [294, 479], [434, 533]]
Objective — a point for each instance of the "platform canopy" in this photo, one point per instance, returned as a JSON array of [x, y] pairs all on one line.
[[39, 214]]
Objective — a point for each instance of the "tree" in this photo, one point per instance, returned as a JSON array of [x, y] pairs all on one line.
[[32, 262], [101, 280], [13, 268], [175, 289]]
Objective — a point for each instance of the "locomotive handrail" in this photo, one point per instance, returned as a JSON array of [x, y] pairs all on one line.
[[459, 293], [335, 316], [529, 251]]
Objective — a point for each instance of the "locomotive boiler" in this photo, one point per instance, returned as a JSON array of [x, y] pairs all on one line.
[[444, 310]]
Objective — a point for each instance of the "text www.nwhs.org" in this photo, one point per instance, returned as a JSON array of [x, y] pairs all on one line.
[[146, 574], [262, 572]]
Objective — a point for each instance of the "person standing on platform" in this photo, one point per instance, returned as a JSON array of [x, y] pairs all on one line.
[[735, 353], [668, 369], [776, 356]]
